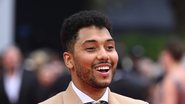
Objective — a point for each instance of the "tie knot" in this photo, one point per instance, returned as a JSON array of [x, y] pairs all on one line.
[[103, 102], [98, 102]]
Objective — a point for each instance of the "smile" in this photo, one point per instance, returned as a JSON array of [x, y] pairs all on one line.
[[103, 68]]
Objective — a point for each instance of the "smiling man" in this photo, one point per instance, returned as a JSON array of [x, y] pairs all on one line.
[[91, 57]]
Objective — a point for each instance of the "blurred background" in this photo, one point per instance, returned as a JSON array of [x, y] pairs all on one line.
[[141, 28]]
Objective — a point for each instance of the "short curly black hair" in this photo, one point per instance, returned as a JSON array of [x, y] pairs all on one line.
[[74, 23]]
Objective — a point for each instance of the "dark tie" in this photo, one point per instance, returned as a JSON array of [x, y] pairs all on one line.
[[100, 102]]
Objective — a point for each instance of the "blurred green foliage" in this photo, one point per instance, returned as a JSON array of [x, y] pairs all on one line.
[[152, 44]]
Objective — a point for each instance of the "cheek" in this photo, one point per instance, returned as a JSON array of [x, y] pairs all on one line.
[[165, 59], [86, 60], [83, 67], [114, 57]]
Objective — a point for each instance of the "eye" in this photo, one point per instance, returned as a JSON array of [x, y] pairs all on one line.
[[90, 49], [110, 48]]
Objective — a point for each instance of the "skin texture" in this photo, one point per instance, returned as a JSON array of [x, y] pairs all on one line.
[[93, 49]]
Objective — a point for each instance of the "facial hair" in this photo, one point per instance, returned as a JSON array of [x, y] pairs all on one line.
[[87, 75]]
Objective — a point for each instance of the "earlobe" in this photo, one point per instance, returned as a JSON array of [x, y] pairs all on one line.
[[68, 60]]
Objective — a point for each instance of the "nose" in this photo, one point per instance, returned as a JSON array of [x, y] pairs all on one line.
[[102, 54]]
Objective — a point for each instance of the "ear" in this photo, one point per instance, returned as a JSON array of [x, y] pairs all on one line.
[[68, 60]]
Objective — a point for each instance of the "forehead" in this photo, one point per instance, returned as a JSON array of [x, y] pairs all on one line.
[[93, 33], [11, 51]]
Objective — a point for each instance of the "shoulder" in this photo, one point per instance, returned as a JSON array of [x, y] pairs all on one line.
[[57, 99], [127, 100]]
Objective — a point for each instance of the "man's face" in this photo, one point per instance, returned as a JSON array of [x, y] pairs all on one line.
[[11, 59], [94, 57], [165, 59]]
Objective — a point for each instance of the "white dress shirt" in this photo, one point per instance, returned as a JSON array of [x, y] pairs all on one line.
[[12, 86], [85, 98]]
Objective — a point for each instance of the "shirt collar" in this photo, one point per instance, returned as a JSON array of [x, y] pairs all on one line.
[[85, 98]]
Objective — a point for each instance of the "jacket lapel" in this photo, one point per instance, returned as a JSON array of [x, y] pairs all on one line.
[[112, 99], [70, 97]]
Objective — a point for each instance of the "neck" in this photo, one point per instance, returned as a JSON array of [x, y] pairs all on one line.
[[174, 66], [10, 71], [94, 93]]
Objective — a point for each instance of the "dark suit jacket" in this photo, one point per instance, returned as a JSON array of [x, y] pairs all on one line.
[[70, 97], [27, 90]]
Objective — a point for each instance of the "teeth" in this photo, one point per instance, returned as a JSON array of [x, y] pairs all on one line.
[[103, 68]]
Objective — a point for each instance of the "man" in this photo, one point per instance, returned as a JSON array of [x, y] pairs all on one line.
[[16, 84], [171, 90], [91, 57]]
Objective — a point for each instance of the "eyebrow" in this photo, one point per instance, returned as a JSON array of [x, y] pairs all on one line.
[[89, 41], [110, 40], [92, 41]]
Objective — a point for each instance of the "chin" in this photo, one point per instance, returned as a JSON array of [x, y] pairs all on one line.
[[102, 84]]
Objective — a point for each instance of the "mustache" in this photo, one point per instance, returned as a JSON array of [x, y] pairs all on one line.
[[102, 62]]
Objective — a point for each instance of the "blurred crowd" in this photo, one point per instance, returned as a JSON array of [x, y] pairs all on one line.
[[41, 74], [32, 79]]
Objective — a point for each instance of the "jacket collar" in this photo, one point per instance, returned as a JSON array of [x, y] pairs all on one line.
[[70, 97]]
